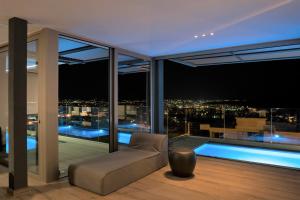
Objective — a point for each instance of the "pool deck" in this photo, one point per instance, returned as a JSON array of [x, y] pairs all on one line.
[[72, 150], [215, 179]]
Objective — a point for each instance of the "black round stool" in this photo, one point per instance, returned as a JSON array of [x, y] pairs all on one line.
[[182, 162]]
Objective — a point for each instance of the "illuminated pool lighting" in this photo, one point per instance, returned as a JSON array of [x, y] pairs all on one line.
[[281, 158], [196, 36], [277, 136]]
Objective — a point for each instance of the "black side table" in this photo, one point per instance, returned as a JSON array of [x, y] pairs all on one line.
[[182, 162]]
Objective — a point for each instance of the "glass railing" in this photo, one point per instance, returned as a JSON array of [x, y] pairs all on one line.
[[285, 125], [235, 122], [92, 123], [133, 120], [89, 123]]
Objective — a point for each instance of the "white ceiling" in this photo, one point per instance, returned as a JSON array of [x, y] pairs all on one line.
[[162, 27]]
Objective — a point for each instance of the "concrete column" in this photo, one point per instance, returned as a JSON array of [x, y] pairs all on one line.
[[17, 104], [48, 105], [157, 96], [113, 100]]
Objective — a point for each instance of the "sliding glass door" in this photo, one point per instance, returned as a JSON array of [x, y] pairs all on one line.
[[32, 106], [83, 101], [3, 104]]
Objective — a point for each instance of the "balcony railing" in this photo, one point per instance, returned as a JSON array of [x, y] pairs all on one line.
[[269, 125], [92, 123]]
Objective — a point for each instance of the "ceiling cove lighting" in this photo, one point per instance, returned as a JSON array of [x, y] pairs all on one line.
[[204, 35]]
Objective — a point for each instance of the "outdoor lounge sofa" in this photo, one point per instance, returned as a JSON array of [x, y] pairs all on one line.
[[145, 154]]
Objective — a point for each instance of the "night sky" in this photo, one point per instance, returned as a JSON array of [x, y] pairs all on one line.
[[90, 81], [273, 84], [268, 84]]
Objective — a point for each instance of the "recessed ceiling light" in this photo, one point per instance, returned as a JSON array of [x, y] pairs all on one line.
[[196, 36], [203, 35], [212, 33]]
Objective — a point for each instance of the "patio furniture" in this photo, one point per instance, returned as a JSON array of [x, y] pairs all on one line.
[[182, 162], [145, 154]]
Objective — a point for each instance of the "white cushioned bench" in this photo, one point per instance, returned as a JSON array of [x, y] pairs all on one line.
[[104, 174]]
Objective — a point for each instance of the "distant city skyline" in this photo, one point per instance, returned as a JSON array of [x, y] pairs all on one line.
[[262, 84]]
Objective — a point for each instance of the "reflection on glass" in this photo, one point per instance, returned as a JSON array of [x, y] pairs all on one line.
[[134, 90], [3, 104], [32, 106]]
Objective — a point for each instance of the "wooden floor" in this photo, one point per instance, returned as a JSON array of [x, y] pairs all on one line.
[[214, 179]]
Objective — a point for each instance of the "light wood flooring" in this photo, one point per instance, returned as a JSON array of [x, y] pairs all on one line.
[[214, 179]]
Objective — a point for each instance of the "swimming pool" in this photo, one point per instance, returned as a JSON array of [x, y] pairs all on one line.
[[250, 154], [31, 143], [123, 137], [81, 132]]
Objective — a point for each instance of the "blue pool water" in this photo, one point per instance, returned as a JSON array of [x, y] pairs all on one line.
[[250, 154], [123, 137], [81, 132], [31, 143], [92, 133]]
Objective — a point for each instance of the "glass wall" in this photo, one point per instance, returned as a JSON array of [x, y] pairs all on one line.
[[243, 102], [32, 106], [83, 101], [134, 94], [3, 104], [274, 125]]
